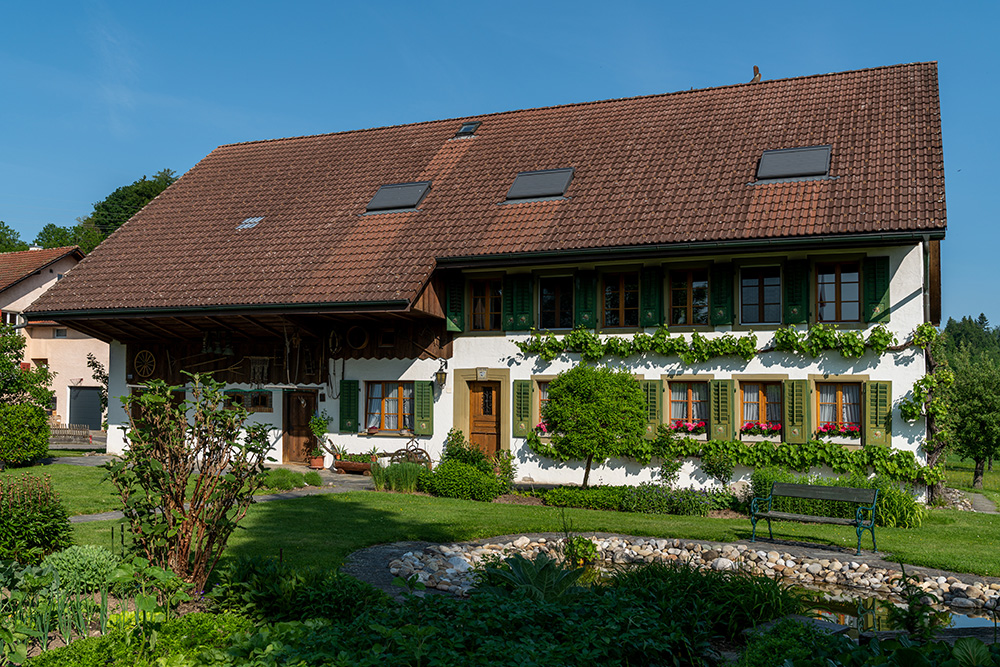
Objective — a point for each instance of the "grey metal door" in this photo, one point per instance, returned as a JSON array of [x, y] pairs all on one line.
[[85, 407]]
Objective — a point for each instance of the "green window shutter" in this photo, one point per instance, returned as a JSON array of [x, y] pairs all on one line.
[[722, 294], [796, 283], [423, 407], [878, 413], [517, 303], [796, 426], [455, 303], [876, 279], [651, 297], [721, 412], [585, 302], [348, 406], [653, 390], [522, 408]]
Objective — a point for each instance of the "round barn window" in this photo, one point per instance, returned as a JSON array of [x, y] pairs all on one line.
[[357, 337]]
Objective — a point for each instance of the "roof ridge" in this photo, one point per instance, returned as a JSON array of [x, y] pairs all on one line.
[[67, 248], [571, 105]]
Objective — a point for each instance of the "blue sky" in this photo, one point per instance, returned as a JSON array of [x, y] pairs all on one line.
[[94, 95]]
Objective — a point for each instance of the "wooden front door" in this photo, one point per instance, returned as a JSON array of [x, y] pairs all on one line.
[[484, 416], [298, 439]]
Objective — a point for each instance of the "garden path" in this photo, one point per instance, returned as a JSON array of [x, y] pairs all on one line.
[[981, 503]]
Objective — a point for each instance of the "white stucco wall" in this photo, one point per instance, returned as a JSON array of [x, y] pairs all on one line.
[[472, 351]]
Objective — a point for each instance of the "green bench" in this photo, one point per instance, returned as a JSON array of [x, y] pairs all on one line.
[[864, 515]]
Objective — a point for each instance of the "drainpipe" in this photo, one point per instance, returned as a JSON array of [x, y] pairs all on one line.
[[926, 247], [23, 324]]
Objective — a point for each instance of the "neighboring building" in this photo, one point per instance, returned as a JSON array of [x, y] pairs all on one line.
[[24, 276], [346, 272]]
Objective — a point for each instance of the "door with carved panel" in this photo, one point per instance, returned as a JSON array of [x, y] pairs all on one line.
[[297, 443], [484, 416]]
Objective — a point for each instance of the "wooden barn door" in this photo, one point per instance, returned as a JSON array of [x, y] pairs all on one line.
[[297, 442], [484, 416]]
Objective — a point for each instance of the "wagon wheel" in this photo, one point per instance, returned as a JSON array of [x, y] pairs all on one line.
[[145, 363]]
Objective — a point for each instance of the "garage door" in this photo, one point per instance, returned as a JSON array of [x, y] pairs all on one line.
[[85, 406]]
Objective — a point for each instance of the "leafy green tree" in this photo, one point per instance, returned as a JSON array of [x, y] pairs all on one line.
[[974, 334], [976, 407], [24, 397], [115, 210], [188, 475], [10, 240], [594, 414], [54, 236]]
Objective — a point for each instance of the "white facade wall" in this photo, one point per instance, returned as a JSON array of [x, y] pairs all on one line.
[[500, 354]]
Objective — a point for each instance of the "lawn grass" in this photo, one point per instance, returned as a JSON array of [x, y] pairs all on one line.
[[323, 530], [958, 475], [82, 489]]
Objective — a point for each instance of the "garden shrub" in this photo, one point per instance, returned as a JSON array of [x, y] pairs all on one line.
[[283, 479], [82, 568], [457, 448], [188, 635], [652, 498], [33, 521], [265, 590], [402, 477], [593, 498], [24, 434], [454, 479], [312, 478], [895, 507], [789, 640]]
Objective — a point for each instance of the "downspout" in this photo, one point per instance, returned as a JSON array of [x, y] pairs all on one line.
[[926, 247], [21, 316]]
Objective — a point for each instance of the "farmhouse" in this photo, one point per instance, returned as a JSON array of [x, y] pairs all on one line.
[[385, 276]]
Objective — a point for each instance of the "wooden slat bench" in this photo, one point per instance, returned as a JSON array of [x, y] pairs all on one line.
[[864, 498]]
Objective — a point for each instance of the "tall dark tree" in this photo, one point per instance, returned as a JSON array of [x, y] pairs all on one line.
[[126, 201], [10, 240], [54, 236]]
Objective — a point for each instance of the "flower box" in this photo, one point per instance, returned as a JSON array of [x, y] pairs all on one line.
[[763, 430], [682, 428], [836, 431]]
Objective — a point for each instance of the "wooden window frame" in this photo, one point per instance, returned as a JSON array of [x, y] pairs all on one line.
[[761, 303], [689, 402], [688, 286], [838, 287], [621, 310], [762, 400], [266, 403], [400, 414], [560, 297], [839, 404], [492, 300]]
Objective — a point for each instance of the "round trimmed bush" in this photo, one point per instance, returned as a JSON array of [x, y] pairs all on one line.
[[82, 568], [33, 521], [454, 479], [24, 433]]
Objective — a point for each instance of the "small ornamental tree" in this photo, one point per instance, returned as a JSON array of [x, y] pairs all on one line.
[[188, 475], [976, 404], [594, 414], [24, 398]]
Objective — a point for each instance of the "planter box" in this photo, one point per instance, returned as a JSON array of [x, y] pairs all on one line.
[[351, 466]]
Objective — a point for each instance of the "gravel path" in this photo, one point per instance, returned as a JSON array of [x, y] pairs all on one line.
[[981, 503]]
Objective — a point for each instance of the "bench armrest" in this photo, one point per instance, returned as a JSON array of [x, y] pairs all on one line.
[[859, 513], [756, 505]]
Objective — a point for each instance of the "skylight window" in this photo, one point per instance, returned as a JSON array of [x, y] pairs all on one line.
[[249, 223], [468, 129], [808, 163], [539, 185], [399, 197]]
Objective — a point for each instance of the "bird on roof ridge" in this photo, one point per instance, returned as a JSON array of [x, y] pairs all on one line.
[[756, 75]]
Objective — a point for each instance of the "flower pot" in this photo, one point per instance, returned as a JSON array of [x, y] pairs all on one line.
[[316, 462], [353, 466]]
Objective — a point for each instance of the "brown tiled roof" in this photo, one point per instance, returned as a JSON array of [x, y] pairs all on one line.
[[16, 266], [663, 169]]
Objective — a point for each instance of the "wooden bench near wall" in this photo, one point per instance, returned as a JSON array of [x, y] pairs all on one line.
[[864, 498]]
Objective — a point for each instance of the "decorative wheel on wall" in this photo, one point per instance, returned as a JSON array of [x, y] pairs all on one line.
[[145, 363]]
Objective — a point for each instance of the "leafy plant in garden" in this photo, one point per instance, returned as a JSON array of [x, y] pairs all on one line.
[[185, 485], [24, 397], [33, 521], [83, 568], [593, 414]]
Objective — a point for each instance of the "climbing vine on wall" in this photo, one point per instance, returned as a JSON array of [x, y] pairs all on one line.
[[895, 464], [699, 349]]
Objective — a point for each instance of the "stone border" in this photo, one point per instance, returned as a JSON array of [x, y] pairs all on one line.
[[449, 567]]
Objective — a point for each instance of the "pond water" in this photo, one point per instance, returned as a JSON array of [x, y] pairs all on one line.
[[869, 614]]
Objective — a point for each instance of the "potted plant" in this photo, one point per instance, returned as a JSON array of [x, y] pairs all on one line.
[[318, 424], [374, 453]]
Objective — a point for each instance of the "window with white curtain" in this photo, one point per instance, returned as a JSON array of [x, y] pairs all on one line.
[[389, 405], [689, 401], [839, 403], [761, 402]]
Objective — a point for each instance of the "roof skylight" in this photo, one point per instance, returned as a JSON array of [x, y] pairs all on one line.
[[249, 223], [398, 197], [468, 129], [808, 163], [539, 185]]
